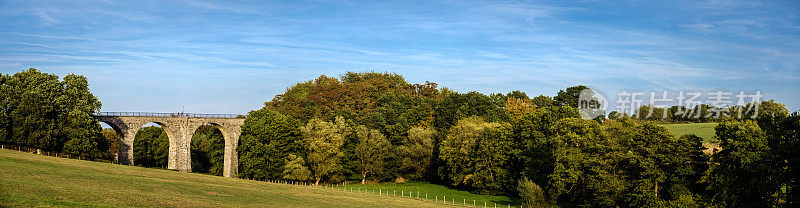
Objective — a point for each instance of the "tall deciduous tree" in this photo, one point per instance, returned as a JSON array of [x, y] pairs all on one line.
[[371, 150], [322, 141], [416, 153], [85, 138], [741, 176], [295, 168], [533, 133], [36, 110], [267, 138], [5, 104], [40, 111], [531, 194], [570, 96], [476, 153]]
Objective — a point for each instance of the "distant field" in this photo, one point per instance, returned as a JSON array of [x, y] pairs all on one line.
[[439, 191], [703, 130], [29, 180]]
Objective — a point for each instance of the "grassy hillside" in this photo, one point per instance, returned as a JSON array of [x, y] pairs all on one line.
[[439, 191], [29, 180], [703, 130]]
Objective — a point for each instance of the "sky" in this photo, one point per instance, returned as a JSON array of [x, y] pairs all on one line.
[[232, 56]]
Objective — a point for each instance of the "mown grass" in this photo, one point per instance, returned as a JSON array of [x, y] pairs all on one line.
[[437, 192], [29, 180], [703, 130]]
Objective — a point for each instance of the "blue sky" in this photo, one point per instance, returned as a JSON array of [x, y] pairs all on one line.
[[231, 56]]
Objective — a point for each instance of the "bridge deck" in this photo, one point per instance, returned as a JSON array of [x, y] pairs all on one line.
[[149, 114]]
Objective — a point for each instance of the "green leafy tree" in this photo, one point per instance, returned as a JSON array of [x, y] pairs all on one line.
[[151, 147], [322, 141], [208, 150], [416, 153], [542, 101], [36, 110], [371, 150], [454, 106], [267, 138], [785, 141], [570, 96], [518, 95], [112, 150], [741, 176], [81, 147], [85, 140], [584, 170], [476, 155], [531, 194], [42, 112], [295, 169], [533, 149], [5, 107]]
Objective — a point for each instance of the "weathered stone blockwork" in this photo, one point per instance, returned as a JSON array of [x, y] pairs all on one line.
[[179, 130]]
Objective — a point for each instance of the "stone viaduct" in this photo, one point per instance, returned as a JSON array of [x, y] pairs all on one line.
[[179, 128]]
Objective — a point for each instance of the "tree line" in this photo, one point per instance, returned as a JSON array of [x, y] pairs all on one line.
[[376, 127], [41, 111], [701, 113]]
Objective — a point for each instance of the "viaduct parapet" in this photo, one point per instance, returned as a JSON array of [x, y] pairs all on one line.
[[179, 128]]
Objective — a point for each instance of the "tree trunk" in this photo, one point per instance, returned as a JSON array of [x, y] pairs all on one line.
[[317, 181], [364, 179], [656, 189]]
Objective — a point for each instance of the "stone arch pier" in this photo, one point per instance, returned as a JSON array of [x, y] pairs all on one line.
[[179, 128]]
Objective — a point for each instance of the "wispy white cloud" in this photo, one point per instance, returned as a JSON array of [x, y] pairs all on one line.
[[46, 18]]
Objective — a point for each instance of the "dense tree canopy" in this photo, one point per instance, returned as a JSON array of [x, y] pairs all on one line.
[[267, 138], [323, 141], [416, 153], [477, 155], [40, 111], [377, 126], [513, 144], [372, 150], [207, 150]]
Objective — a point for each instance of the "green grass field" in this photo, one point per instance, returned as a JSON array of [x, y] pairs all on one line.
[[438, 191], [703, 130], [29, 180]]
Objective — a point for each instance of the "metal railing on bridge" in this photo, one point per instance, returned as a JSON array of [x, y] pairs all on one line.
[[148, 114]]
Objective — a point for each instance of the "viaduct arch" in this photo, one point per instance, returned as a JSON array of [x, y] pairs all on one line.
[[179, 128]]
